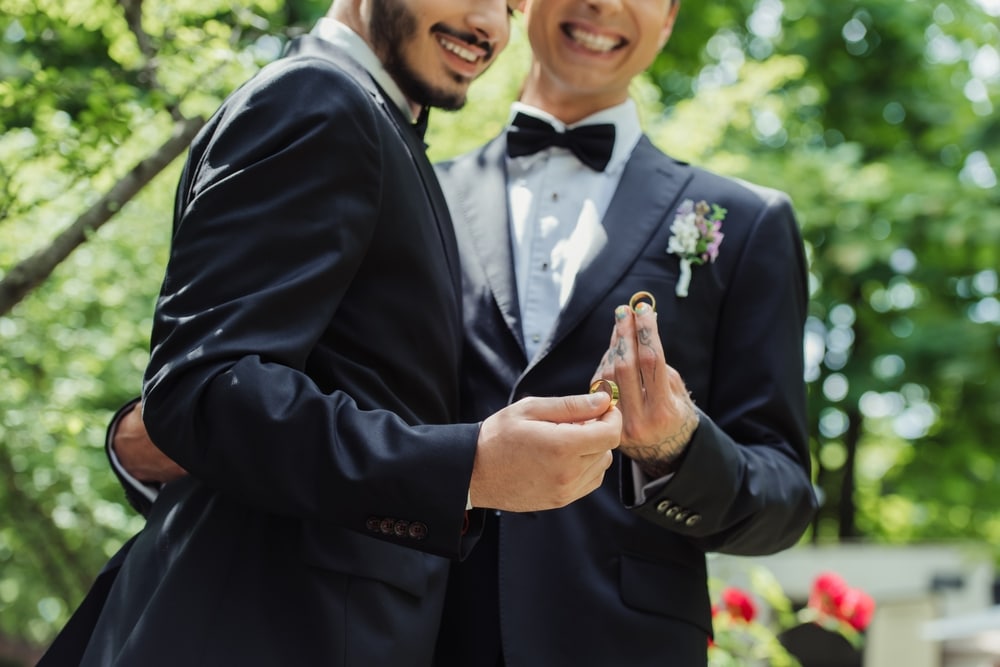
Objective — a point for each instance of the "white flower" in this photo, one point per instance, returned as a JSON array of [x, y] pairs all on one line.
[[695, 237]]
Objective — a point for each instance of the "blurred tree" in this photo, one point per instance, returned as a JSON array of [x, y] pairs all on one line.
[[96, 99], [876, 115], [885, 133]]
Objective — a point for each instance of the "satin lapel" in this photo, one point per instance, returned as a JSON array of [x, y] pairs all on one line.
[[307, 44], [647, 194], [440, 206], [484, 220]]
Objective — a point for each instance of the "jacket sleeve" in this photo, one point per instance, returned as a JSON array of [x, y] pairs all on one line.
[[274, 217]]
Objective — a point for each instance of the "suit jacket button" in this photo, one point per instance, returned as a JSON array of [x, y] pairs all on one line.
[[663, 506], [418, 530], [400, 528], [670, 511], [386, 526], [680, 516], [372, 524], [692, 520]]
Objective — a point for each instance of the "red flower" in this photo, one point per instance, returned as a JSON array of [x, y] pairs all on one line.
[[827, 594], [739, 604], [831, 596], [857, 608]]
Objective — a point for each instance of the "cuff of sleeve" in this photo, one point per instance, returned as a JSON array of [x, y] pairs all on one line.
[[148, 491], [645, 487], [468, 501]]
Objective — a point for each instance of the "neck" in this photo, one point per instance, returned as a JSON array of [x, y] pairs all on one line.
[[349, 13], [569, 106]]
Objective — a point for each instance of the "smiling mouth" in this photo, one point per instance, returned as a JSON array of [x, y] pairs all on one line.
[[462, 52], [465, 46], [592, 41]]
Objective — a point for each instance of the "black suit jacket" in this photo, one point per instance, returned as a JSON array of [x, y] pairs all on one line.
[[307, 334], [604, 581]]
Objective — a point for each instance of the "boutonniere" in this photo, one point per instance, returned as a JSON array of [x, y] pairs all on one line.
[[695, 237]]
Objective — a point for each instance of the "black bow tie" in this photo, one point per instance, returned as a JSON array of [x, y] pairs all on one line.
[[592, 144]]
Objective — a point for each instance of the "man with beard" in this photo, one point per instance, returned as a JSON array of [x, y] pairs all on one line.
[[305, 370]]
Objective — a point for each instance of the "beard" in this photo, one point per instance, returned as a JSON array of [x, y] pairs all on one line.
[[392, 26]]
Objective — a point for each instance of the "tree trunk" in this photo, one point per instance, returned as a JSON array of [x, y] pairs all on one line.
[[31, 272], [847, 509], [16, 652]]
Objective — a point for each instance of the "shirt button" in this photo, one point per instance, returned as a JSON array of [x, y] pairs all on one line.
[[555, 196], [536, 338]]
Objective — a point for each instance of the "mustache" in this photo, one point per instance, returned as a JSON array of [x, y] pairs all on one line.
[[469, 38]]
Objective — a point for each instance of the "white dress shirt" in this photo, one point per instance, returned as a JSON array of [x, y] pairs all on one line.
[[556, 205]]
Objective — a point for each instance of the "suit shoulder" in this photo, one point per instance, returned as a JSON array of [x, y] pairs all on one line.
[[716, 186], [750, 208], [300, 95], [308, 82], [740, 190], [470, 166], [477, 156]]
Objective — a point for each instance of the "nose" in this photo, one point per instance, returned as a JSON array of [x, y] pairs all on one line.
[[603, 6], [490, 20]]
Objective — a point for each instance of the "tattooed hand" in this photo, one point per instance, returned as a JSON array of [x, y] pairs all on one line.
[[658, 415]]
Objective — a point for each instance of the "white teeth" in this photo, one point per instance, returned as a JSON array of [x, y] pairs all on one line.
[[461, 52], [594, 42]]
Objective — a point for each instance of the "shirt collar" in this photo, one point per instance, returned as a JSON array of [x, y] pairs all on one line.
[[624, 116], [342, 36]]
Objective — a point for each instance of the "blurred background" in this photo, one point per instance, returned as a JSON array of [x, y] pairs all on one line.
[[877, 116]]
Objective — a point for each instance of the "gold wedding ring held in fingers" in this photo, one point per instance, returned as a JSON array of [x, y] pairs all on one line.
[[642, 296], [608, 387]]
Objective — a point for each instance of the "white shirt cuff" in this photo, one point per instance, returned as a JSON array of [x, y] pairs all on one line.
[[645, 487]]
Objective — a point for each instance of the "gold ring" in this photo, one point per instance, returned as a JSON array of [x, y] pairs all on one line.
[[639, 296], [609, 388]]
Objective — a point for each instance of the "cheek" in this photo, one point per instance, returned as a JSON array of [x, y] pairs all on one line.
[[503, 39], [645, 55]]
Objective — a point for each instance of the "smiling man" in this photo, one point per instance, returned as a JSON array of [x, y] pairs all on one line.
[[305, 370], [556, 235]]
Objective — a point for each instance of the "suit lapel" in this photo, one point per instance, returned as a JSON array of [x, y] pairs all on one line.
[[482, 195], [647, 194], [438, 203]]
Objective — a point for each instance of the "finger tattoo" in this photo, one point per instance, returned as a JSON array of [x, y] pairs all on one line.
[[645, 337]]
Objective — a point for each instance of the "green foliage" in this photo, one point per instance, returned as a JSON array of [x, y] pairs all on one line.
[[84, 96], [877, 119], [875, 115]]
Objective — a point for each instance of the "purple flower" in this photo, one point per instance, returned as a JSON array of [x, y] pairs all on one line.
[[695, 238]]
